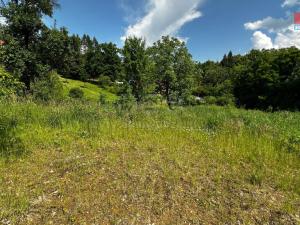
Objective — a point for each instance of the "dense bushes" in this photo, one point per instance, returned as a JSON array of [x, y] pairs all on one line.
[[48, 88], [8, 84]]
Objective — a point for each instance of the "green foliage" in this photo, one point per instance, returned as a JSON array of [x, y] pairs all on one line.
[[8, 84], [76, 93], [127, 100], [210, 100], [268, 78], [55, 50], [225, 100], [101, 60], [22, 33], [110, 64], [48, 88], [173, 68], [13, 58], [214, 83], [136, 65]]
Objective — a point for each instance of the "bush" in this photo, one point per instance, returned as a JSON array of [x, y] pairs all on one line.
[[225, 100], [76, 93], [8, 84], [210, 100], [48, 88]]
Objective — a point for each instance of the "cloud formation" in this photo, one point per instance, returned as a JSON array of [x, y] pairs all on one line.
[[270, 24], [164, 17], [261, 41], [281, 28], [290, 3]]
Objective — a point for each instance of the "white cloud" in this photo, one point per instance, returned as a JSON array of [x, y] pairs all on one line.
[[270, 24], [164, 17], [261, 41], [282, 30], [290, 3], [288, 38]]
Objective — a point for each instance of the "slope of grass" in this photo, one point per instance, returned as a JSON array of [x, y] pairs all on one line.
[[91, 91], [82, 164]]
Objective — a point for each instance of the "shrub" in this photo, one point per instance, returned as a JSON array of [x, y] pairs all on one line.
[[210, 100], [8, 84], [224, 101], [76, 93], [48, 88]]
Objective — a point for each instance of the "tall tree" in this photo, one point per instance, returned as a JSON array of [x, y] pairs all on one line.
[[54, 48], [136, 62], [111, 65], [173, 69], [24, 24], [93, 58]]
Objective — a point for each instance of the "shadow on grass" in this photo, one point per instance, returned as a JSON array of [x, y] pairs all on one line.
[[11, 145]]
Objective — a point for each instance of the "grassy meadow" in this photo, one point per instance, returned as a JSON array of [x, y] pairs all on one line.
[[83, 163], [91, 91]]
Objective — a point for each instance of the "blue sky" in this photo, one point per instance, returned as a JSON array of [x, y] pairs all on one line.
[[211, 27]]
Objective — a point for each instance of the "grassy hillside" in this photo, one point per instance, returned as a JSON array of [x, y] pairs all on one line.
[[91, 91], [82, 164]]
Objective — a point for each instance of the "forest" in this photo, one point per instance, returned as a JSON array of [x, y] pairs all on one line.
[[266, 80], [95, 133]]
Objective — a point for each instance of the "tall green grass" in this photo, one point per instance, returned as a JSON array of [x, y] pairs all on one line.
[[266, 143], [243, 147]]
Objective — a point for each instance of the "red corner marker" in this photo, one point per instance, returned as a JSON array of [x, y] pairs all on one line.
[[297, 18]]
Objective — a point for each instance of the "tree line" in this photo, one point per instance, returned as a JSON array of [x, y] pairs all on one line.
[[267, 79]]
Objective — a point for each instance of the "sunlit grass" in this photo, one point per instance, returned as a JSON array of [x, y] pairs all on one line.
[[89, 163], [91, 91]]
